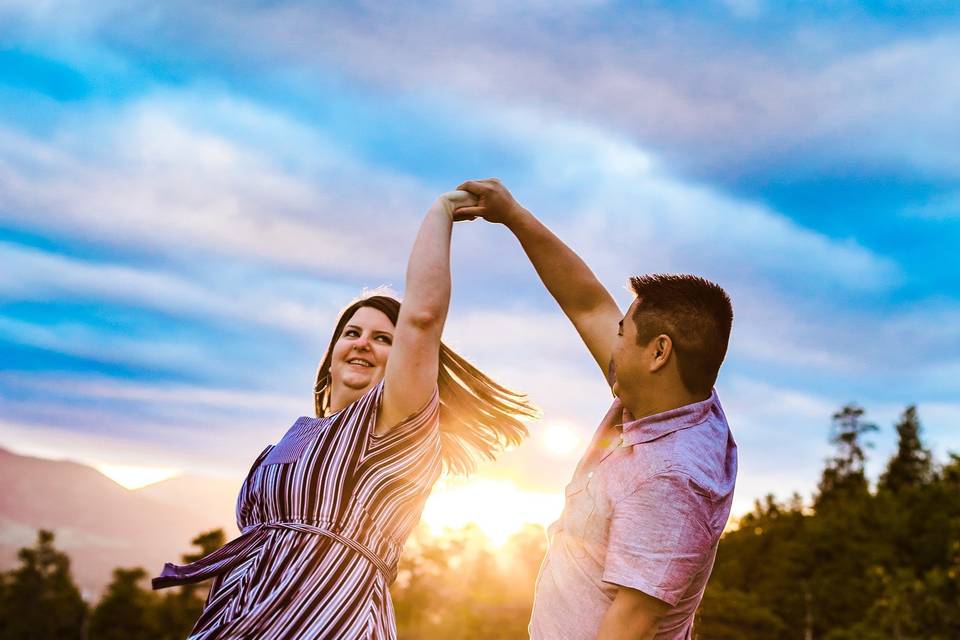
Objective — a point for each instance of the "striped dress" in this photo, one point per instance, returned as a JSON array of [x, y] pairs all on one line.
[[324, 515]]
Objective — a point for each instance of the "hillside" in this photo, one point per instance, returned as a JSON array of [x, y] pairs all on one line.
[[101, 524]]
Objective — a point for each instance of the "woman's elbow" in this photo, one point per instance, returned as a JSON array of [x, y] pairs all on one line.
[[425, 319]]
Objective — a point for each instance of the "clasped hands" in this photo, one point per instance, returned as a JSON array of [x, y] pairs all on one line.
[[487, 199]]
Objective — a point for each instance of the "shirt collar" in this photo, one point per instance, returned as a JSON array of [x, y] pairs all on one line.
[[660, 424]]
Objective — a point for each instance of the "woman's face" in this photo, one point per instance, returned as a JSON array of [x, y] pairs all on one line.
[[360, 354]]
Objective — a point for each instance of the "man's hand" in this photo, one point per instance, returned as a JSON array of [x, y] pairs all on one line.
[[495, 203]]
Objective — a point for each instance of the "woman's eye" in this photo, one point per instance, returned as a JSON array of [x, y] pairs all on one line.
[[350, 333], [385, 339]]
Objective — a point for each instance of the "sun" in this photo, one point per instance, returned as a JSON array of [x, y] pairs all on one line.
[[134, 477], [559, 439], [498, 507]]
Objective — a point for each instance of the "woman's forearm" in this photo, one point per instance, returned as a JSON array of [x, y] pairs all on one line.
[[427, 290]]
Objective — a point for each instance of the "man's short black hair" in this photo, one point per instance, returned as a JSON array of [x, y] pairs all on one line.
[[695, 313]]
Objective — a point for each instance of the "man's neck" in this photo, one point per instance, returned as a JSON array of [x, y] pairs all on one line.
[[659, 400]]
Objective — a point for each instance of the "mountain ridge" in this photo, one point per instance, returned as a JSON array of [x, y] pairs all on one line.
[[101, 524]]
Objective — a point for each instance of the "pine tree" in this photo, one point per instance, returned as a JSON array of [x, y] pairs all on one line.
[[912, 465], [39, 599], [844, 473], [126, 610], [180, 607]]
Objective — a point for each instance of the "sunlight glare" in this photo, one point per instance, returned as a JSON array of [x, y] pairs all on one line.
[[135, 477], [499, 508], [560, 440]]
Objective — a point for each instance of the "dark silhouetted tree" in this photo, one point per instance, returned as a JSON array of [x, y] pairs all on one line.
[[730, 614], [912, 465], [127, 609], [39, 598], [180, 607], [844, 472]]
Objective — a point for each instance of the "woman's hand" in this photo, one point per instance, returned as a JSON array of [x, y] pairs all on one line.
[[453, 200]]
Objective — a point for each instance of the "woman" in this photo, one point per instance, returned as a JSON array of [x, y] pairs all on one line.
[[325, 512]]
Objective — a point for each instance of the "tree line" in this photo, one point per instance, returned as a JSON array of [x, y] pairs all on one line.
[[859, 562]]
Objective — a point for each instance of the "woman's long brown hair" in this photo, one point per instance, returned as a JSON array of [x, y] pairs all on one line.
[[478, 417]]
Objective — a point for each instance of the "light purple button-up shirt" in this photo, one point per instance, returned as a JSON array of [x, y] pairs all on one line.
[[644, 510]]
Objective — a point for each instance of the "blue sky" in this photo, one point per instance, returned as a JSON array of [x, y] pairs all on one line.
[[188, 194]]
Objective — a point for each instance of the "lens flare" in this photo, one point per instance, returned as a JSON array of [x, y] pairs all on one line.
[[499, 508]]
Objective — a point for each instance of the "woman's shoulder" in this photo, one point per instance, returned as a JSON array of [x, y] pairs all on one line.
[[428, 413]]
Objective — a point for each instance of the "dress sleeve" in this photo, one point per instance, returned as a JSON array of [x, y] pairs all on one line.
[[659, 543], [427, 414]]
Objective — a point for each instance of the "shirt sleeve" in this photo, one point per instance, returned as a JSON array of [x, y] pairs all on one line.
[[659, 543]]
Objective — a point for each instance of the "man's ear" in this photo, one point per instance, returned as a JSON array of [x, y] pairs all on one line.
[[662, 347]]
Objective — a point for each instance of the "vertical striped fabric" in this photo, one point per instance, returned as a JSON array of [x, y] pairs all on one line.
[[324, 516]]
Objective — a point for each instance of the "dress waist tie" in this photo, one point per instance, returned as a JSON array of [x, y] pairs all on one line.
[[235, 552]]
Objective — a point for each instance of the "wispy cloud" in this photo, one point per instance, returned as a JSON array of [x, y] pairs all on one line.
[[713, 95], [288, 303], [159, 182]]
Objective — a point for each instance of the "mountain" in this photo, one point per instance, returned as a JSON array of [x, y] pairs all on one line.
[[99, 523], [212, 499]]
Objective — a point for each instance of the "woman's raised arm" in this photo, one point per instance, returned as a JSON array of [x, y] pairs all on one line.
[[411, 375]]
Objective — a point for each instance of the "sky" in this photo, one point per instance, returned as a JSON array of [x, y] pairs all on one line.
[[189, 193]]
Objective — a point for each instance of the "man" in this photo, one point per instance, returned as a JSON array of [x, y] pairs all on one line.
[[632, 552]]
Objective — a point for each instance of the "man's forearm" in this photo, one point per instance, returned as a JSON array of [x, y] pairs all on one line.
[[632, 615], [565, 275], [569, 280]]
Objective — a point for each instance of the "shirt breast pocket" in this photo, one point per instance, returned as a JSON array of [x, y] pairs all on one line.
[[577, 509]]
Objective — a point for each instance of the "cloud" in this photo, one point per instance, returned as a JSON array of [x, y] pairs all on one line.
[[82, 341], [292, 304], [627, 206], [114, 421], [748, 9], [942, 207], [705, 97], [163, 183], [810, 93], [189, 396]]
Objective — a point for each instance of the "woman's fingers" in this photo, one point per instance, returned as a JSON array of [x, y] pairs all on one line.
[[460, 198], [453, 200]]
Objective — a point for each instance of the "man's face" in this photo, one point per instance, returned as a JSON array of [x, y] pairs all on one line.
[[628, 363]]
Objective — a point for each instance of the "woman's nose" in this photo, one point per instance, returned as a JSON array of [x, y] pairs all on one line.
[[362, 343]]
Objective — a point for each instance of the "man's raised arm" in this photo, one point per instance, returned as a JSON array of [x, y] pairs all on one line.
[[590, 307]]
